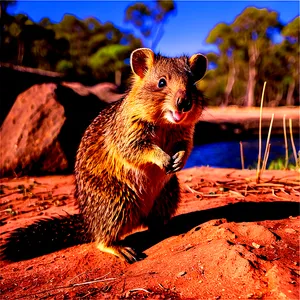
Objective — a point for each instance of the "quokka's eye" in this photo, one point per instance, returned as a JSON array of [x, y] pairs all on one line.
[[162, 82]]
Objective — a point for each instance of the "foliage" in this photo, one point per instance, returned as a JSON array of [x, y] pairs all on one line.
[[279, 164], [249, 53], [149, 19], [79, 48], [253, 49]]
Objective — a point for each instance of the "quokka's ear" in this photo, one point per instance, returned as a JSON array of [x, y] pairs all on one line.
[[141, 60], [198, 65]]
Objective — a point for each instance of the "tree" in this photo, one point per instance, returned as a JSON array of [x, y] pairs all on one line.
[[96, 49], [150, 20], [253, 28], [291, 32], [247, 56], [223, 36], [4, 19]]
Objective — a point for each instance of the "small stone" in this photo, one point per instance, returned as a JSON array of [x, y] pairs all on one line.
[[255, 245], [180, 274]]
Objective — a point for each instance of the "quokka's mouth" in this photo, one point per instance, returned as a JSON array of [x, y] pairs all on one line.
[[178, 116], [175, 116]]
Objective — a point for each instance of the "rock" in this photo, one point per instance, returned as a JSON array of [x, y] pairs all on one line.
[[259, 235], [43, 129]]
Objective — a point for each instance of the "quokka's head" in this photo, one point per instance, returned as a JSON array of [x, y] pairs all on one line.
[[164, 88]]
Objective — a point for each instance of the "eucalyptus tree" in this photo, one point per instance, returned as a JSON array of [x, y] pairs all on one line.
[[5, 19], [290, 46], [254, 29], [149, 19], [222, 35]]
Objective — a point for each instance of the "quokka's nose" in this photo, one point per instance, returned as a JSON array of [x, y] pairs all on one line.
[[183, 103]]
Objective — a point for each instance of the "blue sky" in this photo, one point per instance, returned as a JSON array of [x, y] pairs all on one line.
[[185, 32]]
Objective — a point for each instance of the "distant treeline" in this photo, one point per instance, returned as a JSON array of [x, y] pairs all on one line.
[[255, 48], [85, 50]]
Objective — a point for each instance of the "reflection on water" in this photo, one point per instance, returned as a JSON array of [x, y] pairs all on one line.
[[227, 154]]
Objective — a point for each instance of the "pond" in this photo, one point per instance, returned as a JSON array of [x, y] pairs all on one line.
[[227, 154]]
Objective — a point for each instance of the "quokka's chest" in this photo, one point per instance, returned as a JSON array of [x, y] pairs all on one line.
[[168, 139]]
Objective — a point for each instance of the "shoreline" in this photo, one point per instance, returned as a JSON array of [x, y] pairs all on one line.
[[240, 123]]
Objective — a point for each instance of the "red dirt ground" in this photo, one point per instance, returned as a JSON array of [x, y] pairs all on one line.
[[230, 239]]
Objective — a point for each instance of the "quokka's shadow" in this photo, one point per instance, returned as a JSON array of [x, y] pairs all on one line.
[[47, 237], [238, 212]]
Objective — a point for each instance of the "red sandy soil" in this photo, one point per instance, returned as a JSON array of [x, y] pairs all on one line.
[[230, 239]]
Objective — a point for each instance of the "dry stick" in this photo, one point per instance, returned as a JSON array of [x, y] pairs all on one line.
[[292, 141], [267, 150], [139, 289], [285, 144], [242, 155], [259, 138], [65, 287], [273, 193]]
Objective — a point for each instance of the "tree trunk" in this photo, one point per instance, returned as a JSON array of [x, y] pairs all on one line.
[[289, 98], [230, 82], [20, 52], [278, 97], [253, 56]]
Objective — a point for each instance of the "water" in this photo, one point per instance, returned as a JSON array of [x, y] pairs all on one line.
[[227, 154]]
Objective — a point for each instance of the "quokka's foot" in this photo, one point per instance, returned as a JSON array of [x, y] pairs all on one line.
[[124, 252]]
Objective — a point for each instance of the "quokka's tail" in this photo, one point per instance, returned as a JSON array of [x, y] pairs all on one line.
[[43, 237]]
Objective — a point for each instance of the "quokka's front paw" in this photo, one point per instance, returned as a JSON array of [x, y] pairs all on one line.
[[176, 163], [167, 163]]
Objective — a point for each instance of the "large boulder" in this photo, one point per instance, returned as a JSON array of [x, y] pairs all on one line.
[[43, 129]]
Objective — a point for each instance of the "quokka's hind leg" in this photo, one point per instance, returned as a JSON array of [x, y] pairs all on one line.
[[164, 206], [109, 233]]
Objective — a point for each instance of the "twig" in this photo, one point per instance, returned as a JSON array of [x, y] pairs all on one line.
[[270, 184], [292, 141], [236, 193], [242, 155], [139, 289], [193, 191], [267, 150], [6, 195], [162, 287], [66, 287], [286, 162], [273, 193], [89, 282], [6, 210], [246, 190], [259, 133]]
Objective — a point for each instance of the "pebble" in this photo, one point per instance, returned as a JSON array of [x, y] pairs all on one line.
[[255, 245], [180, 274]]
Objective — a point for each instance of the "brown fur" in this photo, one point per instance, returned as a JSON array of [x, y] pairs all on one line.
[[128, 155]]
